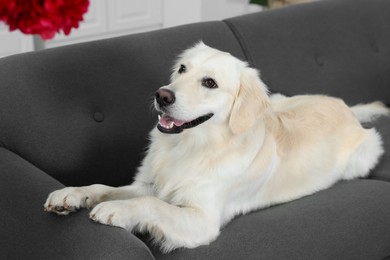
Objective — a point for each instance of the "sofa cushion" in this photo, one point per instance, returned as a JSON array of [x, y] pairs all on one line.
[[27, 232], [334, 47], [349, 221]]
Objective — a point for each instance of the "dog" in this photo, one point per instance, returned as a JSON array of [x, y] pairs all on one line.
[[224, 147]]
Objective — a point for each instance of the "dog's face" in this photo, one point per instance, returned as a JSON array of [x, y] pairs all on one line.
[[210, 87]]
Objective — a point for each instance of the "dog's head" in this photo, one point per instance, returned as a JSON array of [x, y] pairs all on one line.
[[210, 87]]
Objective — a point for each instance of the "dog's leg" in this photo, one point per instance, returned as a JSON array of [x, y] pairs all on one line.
[[170, 226], [70, 199]]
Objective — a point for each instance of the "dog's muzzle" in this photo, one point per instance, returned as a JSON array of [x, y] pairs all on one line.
[[170, 125], [166, 123], [165, 97]]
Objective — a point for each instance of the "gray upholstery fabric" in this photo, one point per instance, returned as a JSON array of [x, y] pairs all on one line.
[[349, 221], [334, 47], [27, 232], [80, 115]]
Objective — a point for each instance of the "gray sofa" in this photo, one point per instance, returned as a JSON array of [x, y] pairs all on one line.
[[80, 115]]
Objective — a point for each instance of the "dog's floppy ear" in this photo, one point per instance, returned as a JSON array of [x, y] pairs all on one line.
[[251, 102]]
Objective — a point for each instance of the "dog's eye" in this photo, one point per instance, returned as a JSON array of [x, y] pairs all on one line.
[[209, 83], [182, 69]]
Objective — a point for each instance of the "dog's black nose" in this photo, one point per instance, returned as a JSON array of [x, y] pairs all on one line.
[[165, 97]]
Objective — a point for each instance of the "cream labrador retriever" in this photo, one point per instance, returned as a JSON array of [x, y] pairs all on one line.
[[223, 147]]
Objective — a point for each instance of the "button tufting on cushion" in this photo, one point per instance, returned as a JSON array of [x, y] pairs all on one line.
[[98, 117], [319, 61]]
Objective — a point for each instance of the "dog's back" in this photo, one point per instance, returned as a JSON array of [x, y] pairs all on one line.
[[320, 141]]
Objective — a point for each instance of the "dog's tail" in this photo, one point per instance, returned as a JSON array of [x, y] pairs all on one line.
[[367, 113]]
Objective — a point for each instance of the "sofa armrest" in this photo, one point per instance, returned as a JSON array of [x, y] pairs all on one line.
[[27, 232]]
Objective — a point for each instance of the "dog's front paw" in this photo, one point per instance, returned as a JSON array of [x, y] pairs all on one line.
[[114, 213], [68, 200]]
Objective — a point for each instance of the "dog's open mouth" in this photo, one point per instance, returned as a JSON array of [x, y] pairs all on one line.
[[170, 125]]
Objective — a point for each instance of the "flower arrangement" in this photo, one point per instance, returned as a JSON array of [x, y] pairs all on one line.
[[43, 17]]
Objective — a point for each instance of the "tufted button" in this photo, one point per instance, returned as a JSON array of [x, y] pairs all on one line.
[[319, 61], [98, 117]]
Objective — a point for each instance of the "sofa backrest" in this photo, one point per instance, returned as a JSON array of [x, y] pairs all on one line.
[[82, 113], [334, 47]]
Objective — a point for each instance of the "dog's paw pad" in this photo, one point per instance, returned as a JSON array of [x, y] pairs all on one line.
[[110, 213]]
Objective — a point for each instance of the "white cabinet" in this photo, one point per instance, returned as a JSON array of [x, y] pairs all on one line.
[[134, 14], [109, 18], [13, 42]]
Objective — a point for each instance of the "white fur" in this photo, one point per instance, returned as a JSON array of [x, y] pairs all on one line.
[[254, 152], [369, 112]]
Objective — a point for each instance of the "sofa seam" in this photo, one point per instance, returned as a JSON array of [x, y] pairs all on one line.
[[28, 161], [239, 38]]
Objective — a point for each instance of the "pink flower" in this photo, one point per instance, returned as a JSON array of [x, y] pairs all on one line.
[[43, 17]]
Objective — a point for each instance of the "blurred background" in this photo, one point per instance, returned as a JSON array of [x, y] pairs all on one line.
[[110, 18], [102, 19]]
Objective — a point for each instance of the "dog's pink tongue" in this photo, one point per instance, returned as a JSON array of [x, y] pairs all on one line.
[[167, 120]]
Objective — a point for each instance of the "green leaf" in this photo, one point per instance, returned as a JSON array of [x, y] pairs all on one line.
[[259, 2]]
